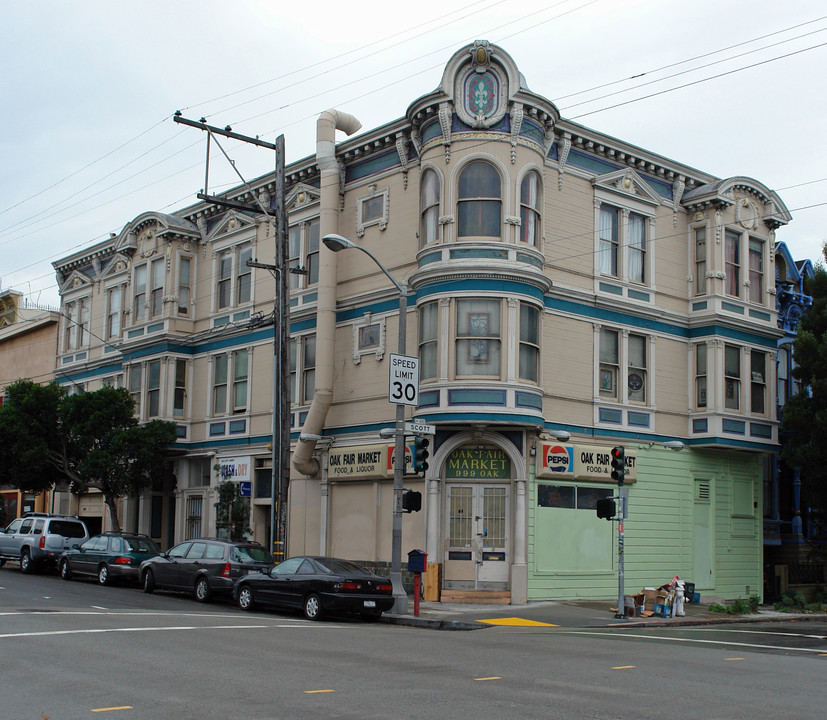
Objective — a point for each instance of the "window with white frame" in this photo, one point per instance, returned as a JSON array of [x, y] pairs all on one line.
[[302, 369], [184, 284], [240, 376], [478, 343], [156, 292], [429, 193], [756, 270], [76, 324], [230, 376], [609, 363], [700, 376], [139, 298], [114, 311], [244, 274], [636, 376], [732, 263], [224, 278], [622, 356], [153, 389], [372, 210], [636, 248], [732, 377], [784, 375], [304, 253], [179, 393], [758, 382], [219, 389], [428, 339], [609, 240], [148, 291], [700, 261], [368, 338], [479, 201], [529, 356], [531, 201], [135, 386]]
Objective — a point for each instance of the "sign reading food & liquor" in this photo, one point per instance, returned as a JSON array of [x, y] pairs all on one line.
[[581, 462]]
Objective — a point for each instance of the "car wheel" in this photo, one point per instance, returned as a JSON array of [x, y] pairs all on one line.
[[149, 581], [65, 570], [245, 598], [26, 564], [2, 562], [103, 574], [312, 607], [202, 590]]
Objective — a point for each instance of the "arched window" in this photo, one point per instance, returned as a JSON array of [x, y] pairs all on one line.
[[429, 208], [479, 206], [530, 204]]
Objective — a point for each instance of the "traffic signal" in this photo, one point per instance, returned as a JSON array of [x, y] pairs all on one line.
[[421, 454], [411, 501], [618, 464], [606, 508]]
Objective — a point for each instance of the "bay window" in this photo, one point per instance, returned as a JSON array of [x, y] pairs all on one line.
[[530, 206], [429, 208], [479, 204], [529, 357], [732, 377], [478, 337]]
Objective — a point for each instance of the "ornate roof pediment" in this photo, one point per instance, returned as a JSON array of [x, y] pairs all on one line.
[[148, 229], [628, 183], [302, 196], [116, 265], [230, 224], [752, 201], [75, 280]]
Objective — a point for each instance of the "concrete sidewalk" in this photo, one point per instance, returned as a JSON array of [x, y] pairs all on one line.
[[568, 614]]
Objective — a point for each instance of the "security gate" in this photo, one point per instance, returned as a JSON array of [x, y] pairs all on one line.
[[477, 530]]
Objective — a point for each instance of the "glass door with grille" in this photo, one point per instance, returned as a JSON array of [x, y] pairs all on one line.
[[477, 530]]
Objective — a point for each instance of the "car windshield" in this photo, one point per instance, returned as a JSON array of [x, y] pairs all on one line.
[[251, 554], [67, 528], [141, 545], [340, 567]]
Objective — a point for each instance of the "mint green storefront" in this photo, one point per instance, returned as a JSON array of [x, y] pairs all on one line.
[[693, 513]]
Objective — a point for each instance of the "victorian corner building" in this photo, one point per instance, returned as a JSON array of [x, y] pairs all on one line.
[[569, 292]]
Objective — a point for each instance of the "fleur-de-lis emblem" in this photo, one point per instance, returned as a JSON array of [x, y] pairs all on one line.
[[481, 95]]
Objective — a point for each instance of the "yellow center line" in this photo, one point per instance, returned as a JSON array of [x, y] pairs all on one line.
[[623, 667], [496, 677], [728, 659], [516, 622], [120, 707], [313, 692]]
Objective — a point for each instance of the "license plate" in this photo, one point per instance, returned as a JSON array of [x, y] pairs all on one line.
[[370, 603]]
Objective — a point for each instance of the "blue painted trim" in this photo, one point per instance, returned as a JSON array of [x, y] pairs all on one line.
[[638, 419], [700, 425], [528, 400], [429, 258], [759, 314], [376, 164], [476, 397], [736, 427], [154, 328], [237, 426], [498, 287], [613, 289], [428, 399], [217, 428], [638, 295], [135, 333], [530, 260], [760, 430], [608, 415], [460, 253], [700, 305], [730, 307]]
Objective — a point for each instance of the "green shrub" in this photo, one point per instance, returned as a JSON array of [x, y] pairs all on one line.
[[791, 602], [739, 606]]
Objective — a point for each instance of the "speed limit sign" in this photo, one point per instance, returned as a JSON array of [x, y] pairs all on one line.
[[403, 380]]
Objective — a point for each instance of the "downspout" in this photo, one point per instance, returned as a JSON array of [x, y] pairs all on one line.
[[329, 121]]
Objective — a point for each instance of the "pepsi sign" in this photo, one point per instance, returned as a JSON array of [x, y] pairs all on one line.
[[556, 458]]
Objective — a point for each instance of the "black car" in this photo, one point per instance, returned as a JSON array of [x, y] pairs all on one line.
[[204, 567], [317, 585], [108, 556]]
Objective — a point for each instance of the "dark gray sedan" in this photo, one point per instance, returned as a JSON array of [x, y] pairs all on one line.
[[317, 585]]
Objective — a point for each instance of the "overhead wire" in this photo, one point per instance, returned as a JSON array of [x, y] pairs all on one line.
[[592, 112]]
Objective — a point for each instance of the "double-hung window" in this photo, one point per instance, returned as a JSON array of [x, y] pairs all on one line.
[[636, 248], [179, 394], [700, 261], [478, 337], [732, 377], [428, 339], [529, 359], [113, 312], [230, 382], [240, 365], [758, 382], [623, 356], [479, 203], [304, 253], [732, 263], [302, 369], [609, 363], [156, 295], [700, 376], [531, 198], [609, 240], [429, 208], [139, 306], [233, 277], [225, 279], [76, 324], [636, 379], [184, 284], [756, 270], [135, 386], [153, 389]]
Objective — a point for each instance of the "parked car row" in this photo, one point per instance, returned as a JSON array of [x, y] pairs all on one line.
[[205, 567]]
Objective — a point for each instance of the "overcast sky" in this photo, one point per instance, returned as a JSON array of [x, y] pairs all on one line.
[[89, 88]]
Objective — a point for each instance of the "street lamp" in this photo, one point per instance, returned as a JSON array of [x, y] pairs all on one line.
[[400, 597]]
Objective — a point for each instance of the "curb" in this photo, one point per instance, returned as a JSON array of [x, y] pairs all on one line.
[[722, 620], [411, 621]]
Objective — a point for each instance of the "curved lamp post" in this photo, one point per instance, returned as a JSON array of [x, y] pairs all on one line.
[[400, 597]]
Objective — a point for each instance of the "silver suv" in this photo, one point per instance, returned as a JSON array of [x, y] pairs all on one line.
[[40, 538]]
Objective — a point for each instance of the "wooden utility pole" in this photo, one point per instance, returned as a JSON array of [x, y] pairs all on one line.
[[280, 477]]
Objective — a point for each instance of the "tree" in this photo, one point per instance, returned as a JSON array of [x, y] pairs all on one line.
[[90, 440], [805, 413], [232, 511]]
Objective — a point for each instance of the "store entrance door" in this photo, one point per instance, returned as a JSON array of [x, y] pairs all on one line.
[[477, 530]]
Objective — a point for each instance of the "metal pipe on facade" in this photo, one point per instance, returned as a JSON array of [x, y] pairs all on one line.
[[329, 121]]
